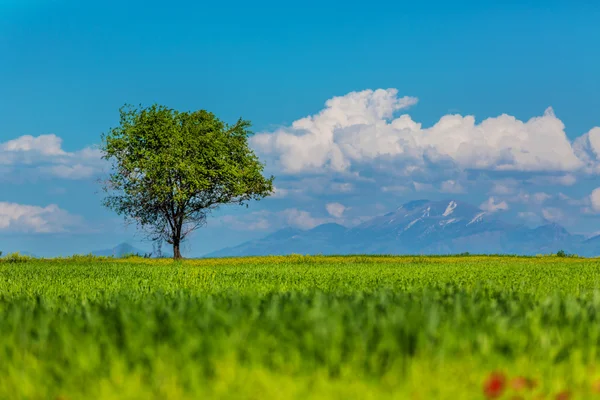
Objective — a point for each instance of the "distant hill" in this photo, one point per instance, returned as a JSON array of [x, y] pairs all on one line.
[[320, 240], [422, 227], [119, 251], [595, 240]]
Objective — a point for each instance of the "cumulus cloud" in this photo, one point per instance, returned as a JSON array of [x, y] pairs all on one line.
[[359, 128], [317, 141], [587, 148], [335, 209], [44, 155], [35, 219], [595, 200], [490, 205], [49, 145]]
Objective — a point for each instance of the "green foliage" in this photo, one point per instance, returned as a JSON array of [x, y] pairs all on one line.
[[14, 258], [171, 169], [83, 258], [561, 253], [296, 327], [137, 255]]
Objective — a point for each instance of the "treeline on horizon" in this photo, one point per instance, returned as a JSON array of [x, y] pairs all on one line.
[[17, 257]]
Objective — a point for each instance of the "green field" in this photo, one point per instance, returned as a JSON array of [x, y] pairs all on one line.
[[298, 327]]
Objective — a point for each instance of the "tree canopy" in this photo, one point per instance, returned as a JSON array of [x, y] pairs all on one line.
[[170, 169]]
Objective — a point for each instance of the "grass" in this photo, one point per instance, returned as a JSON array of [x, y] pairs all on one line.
[[297, 327]]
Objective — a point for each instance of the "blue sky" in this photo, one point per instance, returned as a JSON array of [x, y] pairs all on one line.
[[67, 66]]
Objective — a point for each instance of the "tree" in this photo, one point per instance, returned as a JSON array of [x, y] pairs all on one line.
[[170, 169]]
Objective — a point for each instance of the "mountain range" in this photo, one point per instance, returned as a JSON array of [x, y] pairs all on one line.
[[422, 227]]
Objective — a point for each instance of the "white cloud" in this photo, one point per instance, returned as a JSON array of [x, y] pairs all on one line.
[[542, 207], [359, 128], [49, 145], [296, 186], [504, 187], [553, 214], [34, 219], [526, 198], [77, 171], [573, 201], [313, 142], [451, 186], [335, 209], [46, 155], [345, 187], [561, 180], [595, 200], [529, 216], [490, 205], [540, 197], [587, 148], [301, 219], [280, 193], [565, 180], [266, 220]]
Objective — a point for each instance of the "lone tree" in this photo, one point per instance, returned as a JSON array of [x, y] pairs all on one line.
[[170, 169]]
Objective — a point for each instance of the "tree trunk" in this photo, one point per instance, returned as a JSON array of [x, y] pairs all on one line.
[[176, 235], [176, 251]]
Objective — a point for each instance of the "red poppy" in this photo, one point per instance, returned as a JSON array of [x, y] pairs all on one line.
[[494, 385]]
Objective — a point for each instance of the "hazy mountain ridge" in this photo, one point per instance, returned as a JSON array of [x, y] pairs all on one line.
[[118, 251], [422, 227]]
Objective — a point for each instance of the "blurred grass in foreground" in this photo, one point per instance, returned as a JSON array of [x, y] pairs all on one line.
[[297, 327]]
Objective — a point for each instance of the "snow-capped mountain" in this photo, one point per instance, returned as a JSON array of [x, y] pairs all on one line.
[[421, 227], [424, 226], [423, 218]]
